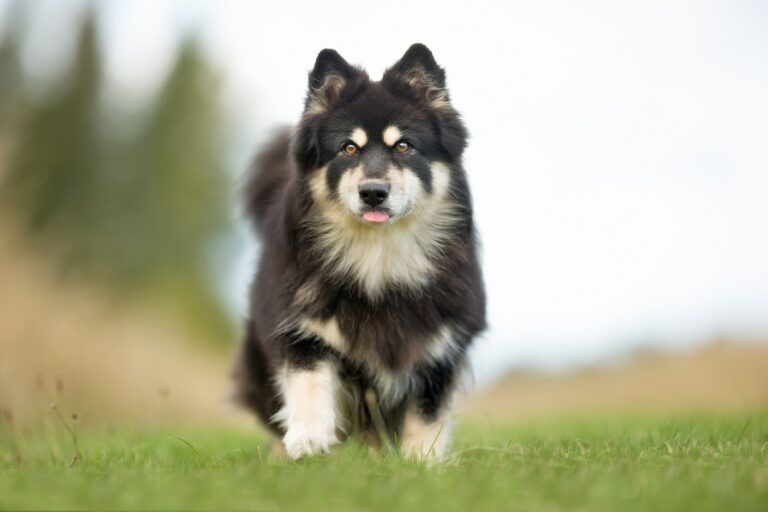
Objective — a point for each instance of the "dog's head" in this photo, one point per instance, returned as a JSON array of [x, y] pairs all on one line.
[[378, 152]]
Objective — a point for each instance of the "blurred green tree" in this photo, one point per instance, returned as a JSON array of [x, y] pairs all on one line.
[[142, 214], [178, 193], [53, 169], [11, 76]]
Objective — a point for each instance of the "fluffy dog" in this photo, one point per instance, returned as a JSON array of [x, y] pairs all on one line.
[[369, 283]]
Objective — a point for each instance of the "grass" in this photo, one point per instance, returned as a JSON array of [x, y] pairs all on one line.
[[698, 462]]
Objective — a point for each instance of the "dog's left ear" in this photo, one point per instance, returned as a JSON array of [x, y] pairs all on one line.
[[418, 76], [419, 71]]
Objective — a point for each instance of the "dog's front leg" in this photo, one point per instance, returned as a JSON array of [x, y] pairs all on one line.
[[426, 425], [309, 385]]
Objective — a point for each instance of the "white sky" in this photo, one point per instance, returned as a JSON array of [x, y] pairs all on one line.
[[619, 152]]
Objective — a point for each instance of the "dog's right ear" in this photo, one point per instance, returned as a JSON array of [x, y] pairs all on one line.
[[330, 76]]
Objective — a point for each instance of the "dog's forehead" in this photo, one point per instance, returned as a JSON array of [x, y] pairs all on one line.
[[388, 133], [375, 115]]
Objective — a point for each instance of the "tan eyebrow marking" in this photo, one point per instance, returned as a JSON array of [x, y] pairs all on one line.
[[359, 137], [391, 135]]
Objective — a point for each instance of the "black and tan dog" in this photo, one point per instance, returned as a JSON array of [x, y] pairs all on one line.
[[369, 277]]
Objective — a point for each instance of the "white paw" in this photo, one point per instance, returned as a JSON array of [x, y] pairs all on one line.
[[422, 441], [302, 440]]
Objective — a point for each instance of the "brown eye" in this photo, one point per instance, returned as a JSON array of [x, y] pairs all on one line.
[[402, 146], [350, 149]]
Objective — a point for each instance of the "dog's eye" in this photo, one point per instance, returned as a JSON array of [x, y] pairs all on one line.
[[402, 146], [350, 149]]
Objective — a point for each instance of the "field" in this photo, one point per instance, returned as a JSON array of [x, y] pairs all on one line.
[[699, 462]]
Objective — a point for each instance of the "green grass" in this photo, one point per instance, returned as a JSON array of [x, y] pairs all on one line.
[[692, 463]]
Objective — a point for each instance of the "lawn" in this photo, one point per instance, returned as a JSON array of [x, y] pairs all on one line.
[[696, 462]]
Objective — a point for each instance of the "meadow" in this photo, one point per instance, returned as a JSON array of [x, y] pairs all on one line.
[[598, 462]]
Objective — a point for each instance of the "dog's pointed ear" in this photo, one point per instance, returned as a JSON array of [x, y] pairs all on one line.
[[418, 76], [330, 76], [419, 71]]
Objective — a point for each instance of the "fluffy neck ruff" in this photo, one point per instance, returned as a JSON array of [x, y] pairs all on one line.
[[402, 254]]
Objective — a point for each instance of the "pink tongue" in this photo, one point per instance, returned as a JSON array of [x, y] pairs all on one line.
[[376, 216]]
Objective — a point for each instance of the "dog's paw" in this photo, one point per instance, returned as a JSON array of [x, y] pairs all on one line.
[[424, 441], [303, 440]]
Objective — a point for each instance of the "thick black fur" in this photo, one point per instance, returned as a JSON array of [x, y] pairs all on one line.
[[387, 331]]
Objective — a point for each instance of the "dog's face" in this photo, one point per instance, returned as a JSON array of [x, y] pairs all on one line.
[[378, 151]]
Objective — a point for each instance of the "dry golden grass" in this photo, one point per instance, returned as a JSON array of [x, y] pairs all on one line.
[[718, 377], [73, 345]]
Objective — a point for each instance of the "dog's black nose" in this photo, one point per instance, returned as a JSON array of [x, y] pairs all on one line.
[[373, 193]]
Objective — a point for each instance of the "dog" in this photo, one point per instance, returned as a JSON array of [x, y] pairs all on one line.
[[369, 291]]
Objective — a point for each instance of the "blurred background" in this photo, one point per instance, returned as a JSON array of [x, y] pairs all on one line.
[[618, 159]]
